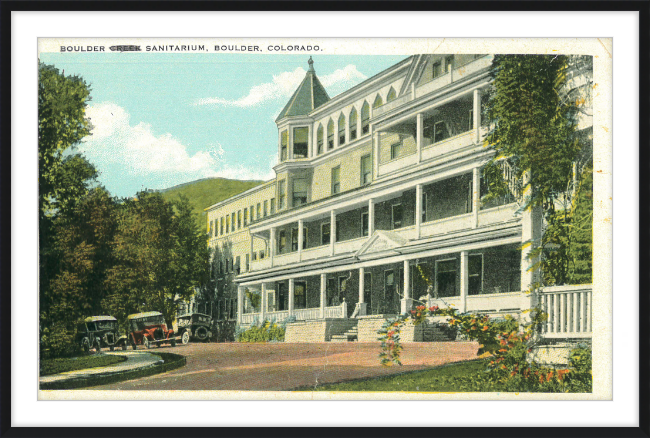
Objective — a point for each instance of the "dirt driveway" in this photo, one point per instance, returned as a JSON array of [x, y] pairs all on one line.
[[279, 366]]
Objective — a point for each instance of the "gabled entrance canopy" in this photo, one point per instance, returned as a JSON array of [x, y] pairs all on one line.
[[381, 242]]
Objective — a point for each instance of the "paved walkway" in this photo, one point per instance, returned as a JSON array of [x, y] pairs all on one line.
[[279, 366], [134, 359]]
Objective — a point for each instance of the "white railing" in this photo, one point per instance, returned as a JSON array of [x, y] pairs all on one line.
[[448, 145], [316, 253], [335, 311], [279, 315], [305, 314], [248, 318], [349, 245], [286, 259], [446, 225], [498, 214], [500, 302], [569, 311], [398, 164], [258, 265], [392, 104], [433, 85]]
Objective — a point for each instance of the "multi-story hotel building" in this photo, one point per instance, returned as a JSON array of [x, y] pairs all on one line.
[[377, 189]]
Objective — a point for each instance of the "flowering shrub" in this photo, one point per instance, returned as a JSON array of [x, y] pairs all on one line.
[[507, 343], [264, 332]]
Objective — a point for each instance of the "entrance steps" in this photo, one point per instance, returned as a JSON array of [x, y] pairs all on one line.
[[351, 335]]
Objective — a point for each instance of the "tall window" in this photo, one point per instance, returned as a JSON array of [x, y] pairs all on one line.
[[366, 169], [470, 124], [390, 285], [282, 240], [319, 139], [259, 210], [247, 266], [392, 95], [300, 295], [232, 222], [475, 268], [424, 207], [252, 210], [237, 265], [395, 150], [282, 296], [284, 141], [397, 213], [245, 216], [300, 142], [336, 180], [365, 118], [364, 223], [446, 277], [378, 102], [272, 205], [281, 194], [353, 124], [437, 69], [330, 135], [239, 220], [266, 208], [331, 292], [228, 224], [341, 130], [300, 188], [294, 239], [325, 234], [449, 60], [436, 131], [221, 226]]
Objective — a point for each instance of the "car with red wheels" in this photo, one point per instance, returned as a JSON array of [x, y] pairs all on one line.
[[149, 329]]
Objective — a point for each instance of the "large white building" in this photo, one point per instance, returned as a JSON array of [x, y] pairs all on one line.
[[377, 189]]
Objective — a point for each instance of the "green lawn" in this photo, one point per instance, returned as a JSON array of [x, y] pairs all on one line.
[[62, 365], [448, 378]]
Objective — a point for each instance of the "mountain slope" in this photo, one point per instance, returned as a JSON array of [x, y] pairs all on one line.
[[206, 192]]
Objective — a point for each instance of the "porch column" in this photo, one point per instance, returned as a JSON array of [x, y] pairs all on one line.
[[476, 198], [531, 234], [477, 115], [291, 295], [323, 294], [420, 134], [273, 244], [362, 303], [418, 209], [263, 309], [240, 303], [300, 239], [371, 217], [252, 249], [464, 281], [332, 231], [407, 301], [375, 154]]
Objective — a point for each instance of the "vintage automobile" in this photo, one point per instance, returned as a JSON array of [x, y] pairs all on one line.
[[149, 329], [194, 326], [100, 331]]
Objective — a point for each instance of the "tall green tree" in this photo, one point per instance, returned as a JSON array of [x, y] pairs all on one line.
[[533, 111]]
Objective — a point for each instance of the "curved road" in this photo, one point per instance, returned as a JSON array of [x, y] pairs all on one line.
[[279, 366]]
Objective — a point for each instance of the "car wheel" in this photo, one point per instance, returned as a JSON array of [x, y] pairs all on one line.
[[173, 343], [124, 346], [98, 347], [202, 333], [185, 338], [85, 345], [146, 342]]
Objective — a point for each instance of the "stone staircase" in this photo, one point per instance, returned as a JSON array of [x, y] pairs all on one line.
[[351, 335]]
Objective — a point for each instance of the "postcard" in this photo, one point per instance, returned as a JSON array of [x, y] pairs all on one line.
[[325, 219]]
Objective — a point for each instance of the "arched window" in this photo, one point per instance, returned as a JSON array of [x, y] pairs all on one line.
[[392, 95], [341, 129], [330, 135], [365, 118], [319, 139], [353, 124], [284, 141], [378, 102]]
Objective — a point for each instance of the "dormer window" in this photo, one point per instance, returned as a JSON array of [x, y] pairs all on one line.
[[300, 142], [378, 102], [365, 118], [320, 140], [341, 130], [392, 95], [330, 135], [353, 124], [449, 60], [284, 142]]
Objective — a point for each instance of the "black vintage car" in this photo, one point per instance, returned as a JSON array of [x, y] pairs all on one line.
[[99, 331], [195, 326]]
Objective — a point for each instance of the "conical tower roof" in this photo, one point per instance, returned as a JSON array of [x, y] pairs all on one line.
[[310, 95]]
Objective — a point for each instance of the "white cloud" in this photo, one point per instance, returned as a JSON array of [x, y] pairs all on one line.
[[283, 86], [160, 160]]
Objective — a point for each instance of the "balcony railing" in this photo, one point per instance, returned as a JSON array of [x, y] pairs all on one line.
[[487, 303], [569, 311], [312, 313], [446, 225], [451, 144]]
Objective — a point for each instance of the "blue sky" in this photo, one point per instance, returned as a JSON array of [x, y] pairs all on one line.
[[166, 119]]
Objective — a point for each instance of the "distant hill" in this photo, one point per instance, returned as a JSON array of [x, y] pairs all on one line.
[[208, 191]]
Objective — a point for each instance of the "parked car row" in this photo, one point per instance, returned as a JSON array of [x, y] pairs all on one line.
[[147, 329]]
